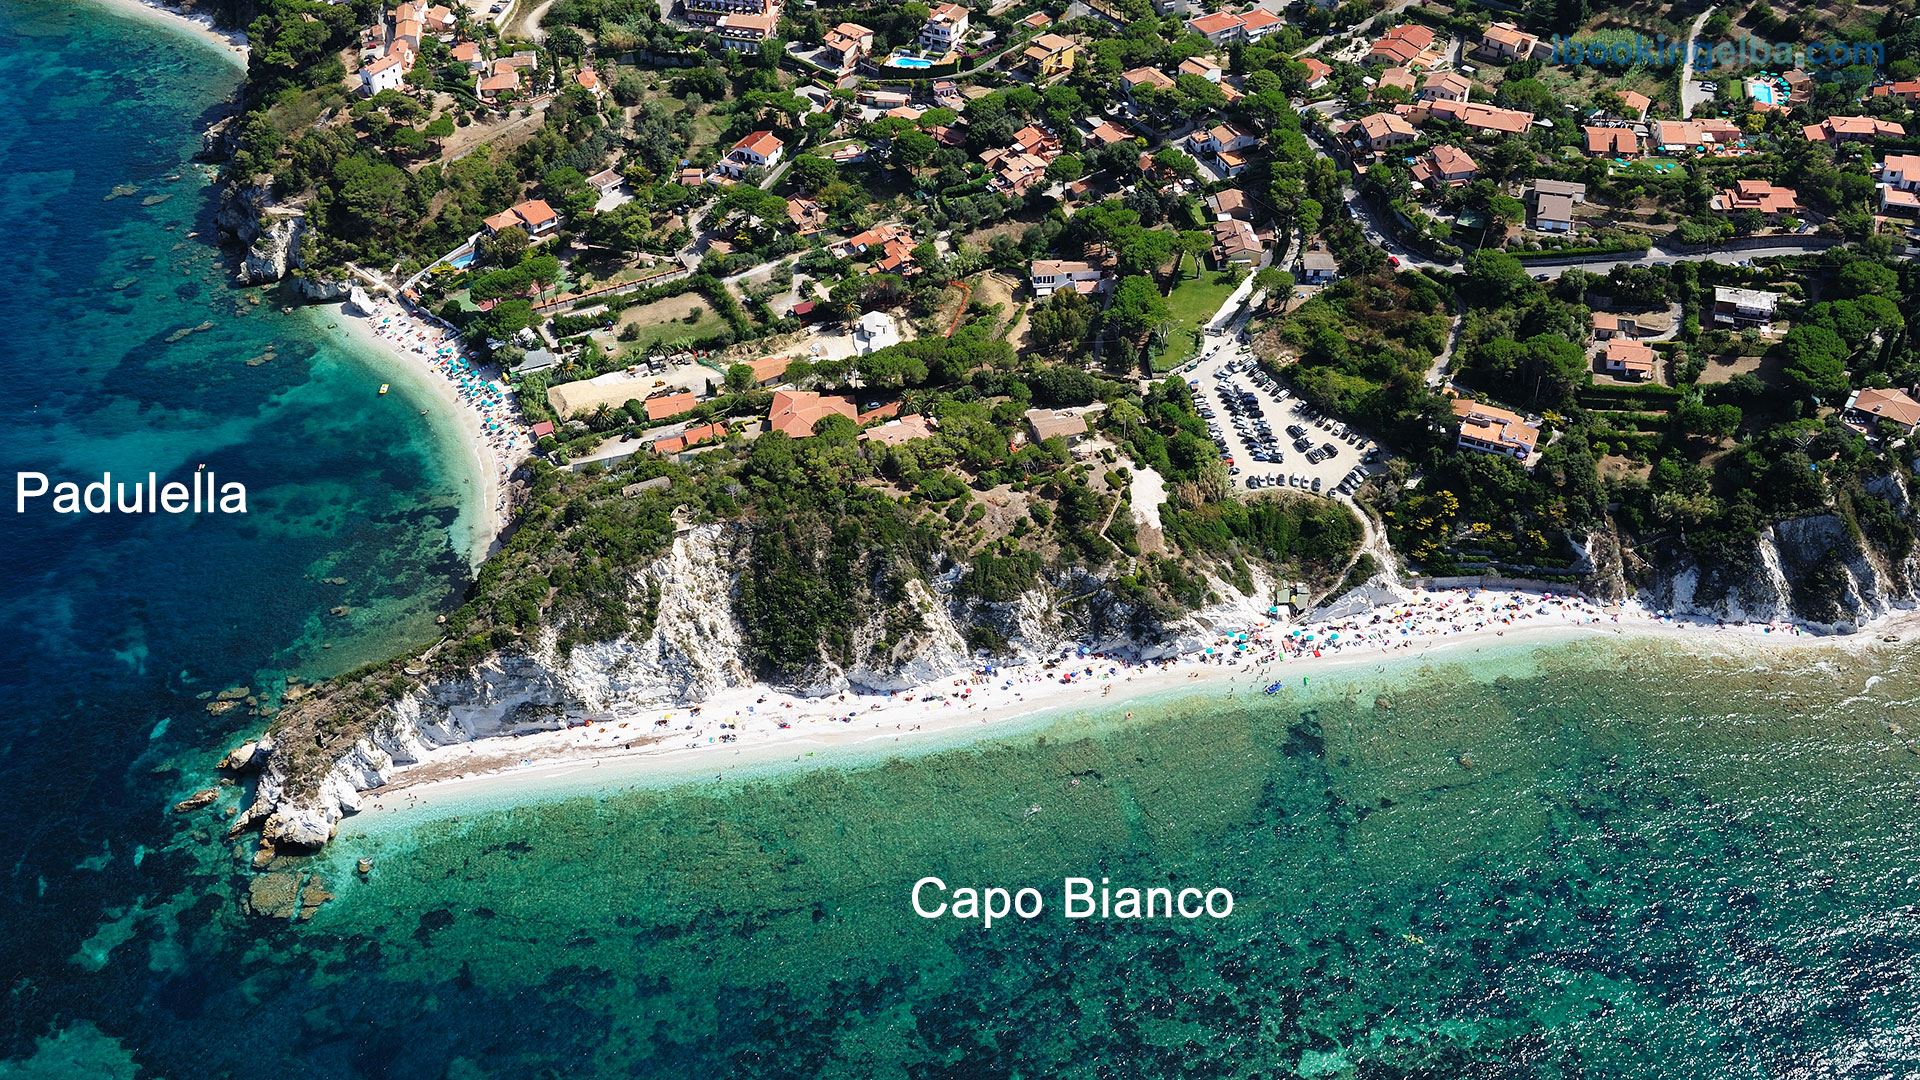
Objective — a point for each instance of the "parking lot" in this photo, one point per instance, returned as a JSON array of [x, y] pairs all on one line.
[[1271, 438]]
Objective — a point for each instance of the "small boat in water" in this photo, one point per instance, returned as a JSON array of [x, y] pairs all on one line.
[[383, 389]]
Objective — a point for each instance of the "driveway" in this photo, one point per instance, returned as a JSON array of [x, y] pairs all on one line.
[[1690, 94]]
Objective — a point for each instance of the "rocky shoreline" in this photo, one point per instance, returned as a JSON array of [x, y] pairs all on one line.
[[695, 649]]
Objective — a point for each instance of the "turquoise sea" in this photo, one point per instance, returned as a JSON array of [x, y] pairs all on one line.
[[1618, 859]]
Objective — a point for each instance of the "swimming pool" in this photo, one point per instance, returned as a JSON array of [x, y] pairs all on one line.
[[1766, 91], [910, 62], [462, 260]]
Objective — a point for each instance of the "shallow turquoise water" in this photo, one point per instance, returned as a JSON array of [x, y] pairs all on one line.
[[1588, 861]]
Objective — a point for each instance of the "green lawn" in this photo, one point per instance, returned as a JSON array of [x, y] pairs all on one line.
[[1652, 166], [1189, 306]]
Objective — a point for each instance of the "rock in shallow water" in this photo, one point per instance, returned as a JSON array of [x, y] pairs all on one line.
[[274, 895], [196, 800]]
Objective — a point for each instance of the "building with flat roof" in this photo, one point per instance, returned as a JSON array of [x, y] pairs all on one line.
[[1744, 308]]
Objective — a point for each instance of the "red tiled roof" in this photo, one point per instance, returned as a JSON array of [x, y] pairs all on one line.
[[665, 405], [795, 412]]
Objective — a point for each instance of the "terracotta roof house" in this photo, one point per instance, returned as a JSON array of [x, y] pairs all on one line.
[[1902, 201], [1482, 117], [1052, 275], [759, 150], [806, 215], [1384, 129], [1397, 78], [1389, 51], [1759, 195], [1446, 86], [387, 73], [1234, 241], [1508, 42], [1900, 171], [1907, 89], [1051, 55], [534, 215], [1228, 203], [744, 31], [1317, 72], [1259, 23], [1879, 407], [1406, 45], [770, 369], [1221, 27], [500, 82], [1630, 359], [1635, 103], [847, 43], [1206, 69], [1490, 429], [1445, 166], [945, 28], [1612, 142], [665, 405], [895, 432], [1843, 129], [699, 435], [1675, 136], [1608, 324], [795, 412], [859, 243], [1146, 76]]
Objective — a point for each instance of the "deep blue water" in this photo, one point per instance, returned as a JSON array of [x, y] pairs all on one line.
[[111, 627]]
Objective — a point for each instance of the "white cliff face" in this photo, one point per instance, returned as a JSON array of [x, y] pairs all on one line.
[[933, 650], [1809, 570], [695, 647], [275, 249]]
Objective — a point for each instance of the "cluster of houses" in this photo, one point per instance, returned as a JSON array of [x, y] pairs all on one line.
[[388, 47]]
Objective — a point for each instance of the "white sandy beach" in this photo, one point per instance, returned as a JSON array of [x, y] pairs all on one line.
[[756, 726], [430, 356], [231, 43]]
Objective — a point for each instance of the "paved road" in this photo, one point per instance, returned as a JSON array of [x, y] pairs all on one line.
[[1658, 256], [1379, 224], [1689, 97]]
